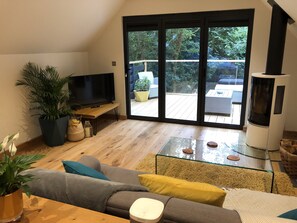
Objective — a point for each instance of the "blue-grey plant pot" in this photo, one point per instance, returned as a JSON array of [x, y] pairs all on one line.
[[54, 131]]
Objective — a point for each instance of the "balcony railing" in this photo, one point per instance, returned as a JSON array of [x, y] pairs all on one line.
[[145, 63]]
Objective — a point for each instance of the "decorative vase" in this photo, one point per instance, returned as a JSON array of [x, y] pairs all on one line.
[[11, 206], [54, 131]]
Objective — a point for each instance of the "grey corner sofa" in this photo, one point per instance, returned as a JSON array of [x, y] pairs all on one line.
[[95, 194]]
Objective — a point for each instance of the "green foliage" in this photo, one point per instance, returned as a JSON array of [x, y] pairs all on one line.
[[143, 45], [11, 178], [142, 84], [184, 44], [47, 94], [227, 43]]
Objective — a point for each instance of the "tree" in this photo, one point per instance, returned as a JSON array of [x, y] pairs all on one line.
[[184, 44]]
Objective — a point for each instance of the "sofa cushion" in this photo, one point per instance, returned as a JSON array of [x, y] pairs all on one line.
[[120, 202], [178, 210], [80, 169], [120, 174], [91, 162], [290, 214], [194, 191]]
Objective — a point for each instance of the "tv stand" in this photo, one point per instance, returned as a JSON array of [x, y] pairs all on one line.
[[92, 113], [95, 106]]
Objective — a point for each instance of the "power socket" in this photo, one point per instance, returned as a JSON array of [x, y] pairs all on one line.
[[113, 63]]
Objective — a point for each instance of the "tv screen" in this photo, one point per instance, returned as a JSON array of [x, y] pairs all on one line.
[[91, 90]]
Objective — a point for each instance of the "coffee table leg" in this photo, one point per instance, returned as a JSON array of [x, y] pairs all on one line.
[[156, 164], [272, 181]]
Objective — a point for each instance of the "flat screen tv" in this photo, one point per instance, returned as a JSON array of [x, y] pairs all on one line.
[[91, 90]]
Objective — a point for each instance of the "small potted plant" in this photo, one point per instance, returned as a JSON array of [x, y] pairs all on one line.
[[12, 181], [48, 98], [141, 89]]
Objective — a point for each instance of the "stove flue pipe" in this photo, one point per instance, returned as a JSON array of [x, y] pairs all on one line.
[[277, 40]]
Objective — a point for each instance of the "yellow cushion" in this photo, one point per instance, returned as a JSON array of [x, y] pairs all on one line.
[[193, 191]]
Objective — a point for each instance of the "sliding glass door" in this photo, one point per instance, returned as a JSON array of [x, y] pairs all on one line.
[[143, 73], [226, 61], [181, 73], [196, 64]]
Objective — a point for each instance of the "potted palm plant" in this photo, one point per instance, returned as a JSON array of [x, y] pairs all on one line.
[[49, 99], [141, 89], [13, 181]]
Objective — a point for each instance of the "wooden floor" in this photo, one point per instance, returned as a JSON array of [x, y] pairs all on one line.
[[183, 107], [125, 143]]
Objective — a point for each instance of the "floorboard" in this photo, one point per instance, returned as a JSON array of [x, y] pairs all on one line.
[[126, 142]]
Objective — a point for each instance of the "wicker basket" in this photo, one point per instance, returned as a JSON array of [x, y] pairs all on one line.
[[288, 152]]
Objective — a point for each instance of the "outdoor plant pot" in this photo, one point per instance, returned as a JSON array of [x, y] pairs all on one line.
[[11, 206], [54, 131], [141, 96]]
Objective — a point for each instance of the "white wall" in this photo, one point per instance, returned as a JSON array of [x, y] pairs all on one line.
[[14, 112], [52, 26], [109, 47], [290, 67]]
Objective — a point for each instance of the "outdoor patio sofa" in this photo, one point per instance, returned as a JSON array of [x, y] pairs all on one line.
[[236, 85], [154, 87]]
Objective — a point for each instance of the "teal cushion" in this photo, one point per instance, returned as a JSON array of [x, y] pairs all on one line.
[[80, 169], [290, 215]]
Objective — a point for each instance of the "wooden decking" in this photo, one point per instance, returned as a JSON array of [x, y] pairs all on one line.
[[183, 107]]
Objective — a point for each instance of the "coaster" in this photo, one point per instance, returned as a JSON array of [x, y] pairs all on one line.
[[188, 151], [212, 144], [233, 158]]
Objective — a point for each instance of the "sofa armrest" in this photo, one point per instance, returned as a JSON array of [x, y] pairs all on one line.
[[82, 191]]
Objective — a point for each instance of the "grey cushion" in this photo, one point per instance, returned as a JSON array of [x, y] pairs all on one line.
[[120, 202], [91, 162], [120, 174], [182, 211]]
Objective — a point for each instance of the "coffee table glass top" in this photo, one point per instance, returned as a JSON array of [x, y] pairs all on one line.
[[203, 153]]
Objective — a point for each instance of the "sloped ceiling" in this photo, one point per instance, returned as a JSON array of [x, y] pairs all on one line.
[[51, 26]]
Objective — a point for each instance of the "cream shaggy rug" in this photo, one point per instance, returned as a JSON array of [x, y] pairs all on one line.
[[222, 176]]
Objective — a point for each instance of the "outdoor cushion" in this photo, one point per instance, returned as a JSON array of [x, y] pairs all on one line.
[[193, 191], [80, 169], [147, 74]]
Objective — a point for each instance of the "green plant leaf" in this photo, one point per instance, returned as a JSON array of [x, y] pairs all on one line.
[[47, 95]]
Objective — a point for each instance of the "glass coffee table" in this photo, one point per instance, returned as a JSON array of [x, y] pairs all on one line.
[[217, 156]]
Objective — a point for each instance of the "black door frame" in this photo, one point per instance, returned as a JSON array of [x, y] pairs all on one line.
[[205, 20]]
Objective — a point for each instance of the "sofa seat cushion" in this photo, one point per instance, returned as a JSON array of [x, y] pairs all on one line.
[[194, 191], [120, 202], [178, 210]]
